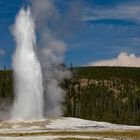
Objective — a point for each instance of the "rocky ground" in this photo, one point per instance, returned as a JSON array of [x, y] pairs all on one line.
[[67, 129]]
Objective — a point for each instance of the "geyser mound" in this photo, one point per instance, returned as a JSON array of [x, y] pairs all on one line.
[[27, 70]]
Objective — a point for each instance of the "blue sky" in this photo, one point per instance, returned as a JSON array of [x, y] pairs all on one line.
[[96, 29]]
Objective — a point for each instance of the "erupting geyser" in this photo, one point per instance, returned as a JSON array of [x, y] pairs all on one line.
[[27, 70], [38, 96]]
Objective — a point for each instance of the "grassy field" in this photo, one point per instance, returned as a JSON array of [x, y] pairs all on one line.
[[104, 134]]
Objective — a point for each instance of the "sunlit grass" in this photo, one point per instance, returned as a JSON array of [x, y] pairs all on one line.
[[108, 134], [76, 139]]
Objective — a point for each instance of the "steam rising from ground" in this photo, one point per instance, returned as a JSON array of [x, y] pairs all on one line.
[[51, 56], [27, 70], [123, 60], [50, 53]]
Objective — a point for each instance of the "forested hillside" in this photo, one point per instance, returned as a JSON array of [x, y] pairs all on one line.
[[104, 93], [6, 84], [109, 94], [6, 93]]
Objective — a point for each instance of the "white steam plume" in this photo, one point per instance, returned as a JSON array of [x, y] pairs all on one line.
[[27, 70], [51, 56], [123, 60]]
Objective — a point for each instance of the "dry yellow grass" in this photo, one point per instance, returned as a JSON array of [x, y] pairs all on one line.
[[108, 134]]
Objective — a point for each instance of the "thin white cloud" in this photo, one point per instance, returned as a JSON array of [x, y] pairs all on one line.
[[129, 11], [123, 60], [2, 52]]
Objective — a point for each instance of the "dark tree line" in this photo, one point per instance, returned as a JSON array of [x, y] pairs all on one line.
[[104, 94], [6, 84]]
